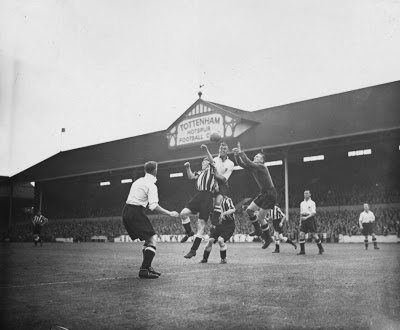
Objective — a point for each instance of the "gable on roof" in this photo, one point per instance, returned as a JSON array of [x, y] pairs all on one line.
[[203, 118]]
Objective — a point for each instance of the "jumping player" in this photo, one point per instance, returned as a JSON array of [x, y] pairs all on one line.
[[278, 219], [367, 222], [144, 192], [202, 202], [308, 210], [224, 230], [266, 200], [38, 222]]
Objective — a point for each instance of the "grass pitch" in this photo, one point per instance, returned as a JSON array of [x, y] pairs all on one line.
[[95, 286]]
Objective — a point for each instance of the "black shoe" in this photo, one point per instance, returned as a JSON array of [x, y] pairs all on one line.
[[257, 232], [276, 251], [145, 273], [190, 254], [223, 261], [267, 243], [376, 248], [203, 261], [186, 237], [301, 252], [153, 271], [321, 251]]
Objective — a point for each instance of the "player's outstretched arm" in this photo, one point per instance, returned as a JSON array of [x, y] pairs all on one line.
[[189, 172], [161, 210], [209, 156]]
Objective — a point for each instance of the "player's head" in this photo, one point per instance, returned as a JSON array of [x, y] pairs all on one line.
[[223, 149], [259, 158], [205, 163], [218, 199], [151, 167], [366, 207], [39, 212], [307, 194]]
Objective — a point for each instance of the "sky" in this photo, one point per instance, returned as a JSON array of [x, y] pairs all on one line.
[[107, 70]]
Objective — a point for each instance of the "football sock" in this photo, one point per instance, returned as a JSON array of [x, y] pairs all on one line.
[[186, 225], [366, 243], [206, 254], [148, 256], [265, 230], [302, 244], [374, 241], [319, 244], [223, 251], [196, 242]]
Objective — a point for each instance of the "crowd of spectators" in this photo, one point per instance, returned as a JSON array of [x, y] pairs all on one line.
[[333, 223]]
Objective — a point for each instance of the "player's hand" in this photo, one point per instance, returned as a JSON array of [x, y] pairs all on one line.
[[361, 227], [235, 151], [204, 147], [239, 147], [281, 225], [174, 214], [302, 218], [187, 164]]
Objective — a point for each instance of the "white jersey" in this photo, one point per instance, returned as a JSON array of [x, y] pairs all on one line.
[[224, 168], [307, 207], [366, 217]]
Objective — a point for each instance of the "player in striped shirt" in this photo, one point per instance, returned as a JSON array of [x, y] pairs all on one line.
[[224, 230], [202, 202], [38, 221], [278, 219]]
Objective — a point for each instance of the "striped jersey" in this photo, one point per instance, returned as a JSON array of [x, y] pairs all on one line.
[[275, 214], [39, 220], [206, 179], [227, 204]]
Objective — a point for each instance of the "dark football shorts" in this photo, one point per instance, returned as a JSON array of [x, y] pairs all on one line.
[[201, 203], [37, 229], [266, 200], [137, 223], [368, 228], [276, 226], [225, 230], [308, 226]]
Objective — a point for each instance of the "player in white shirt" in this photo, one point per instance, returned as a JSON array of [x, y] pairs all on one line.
[[144, 192], [308, 210], [367, 222]]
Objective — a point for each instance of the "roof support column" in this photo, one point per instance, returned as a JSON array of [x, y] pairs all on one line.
[[285, 162]]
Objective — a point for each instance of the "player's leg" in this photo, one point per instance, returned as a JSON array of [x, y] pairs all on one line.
[[277, 242], [222, 249], [35, 239], [264, 227], [284, 239], [374, 241], [186, 224], [251, 212], [302, 241], [318, 241], [201, 224], [149, 252], [207, 250]]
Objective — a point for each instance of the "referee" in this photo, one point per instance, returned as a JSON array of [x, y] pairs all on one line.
[[144, 192]]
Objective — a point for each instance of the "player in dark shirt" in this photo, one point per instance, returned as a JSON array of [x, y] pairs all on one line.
[[267, 198]]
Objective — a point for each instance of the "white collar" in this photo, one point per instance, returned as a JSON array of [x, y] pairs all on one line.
[[150, 177]]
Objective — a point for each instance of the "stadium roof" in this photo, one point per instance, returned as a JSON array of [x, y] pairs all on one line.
[[345, 115]]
